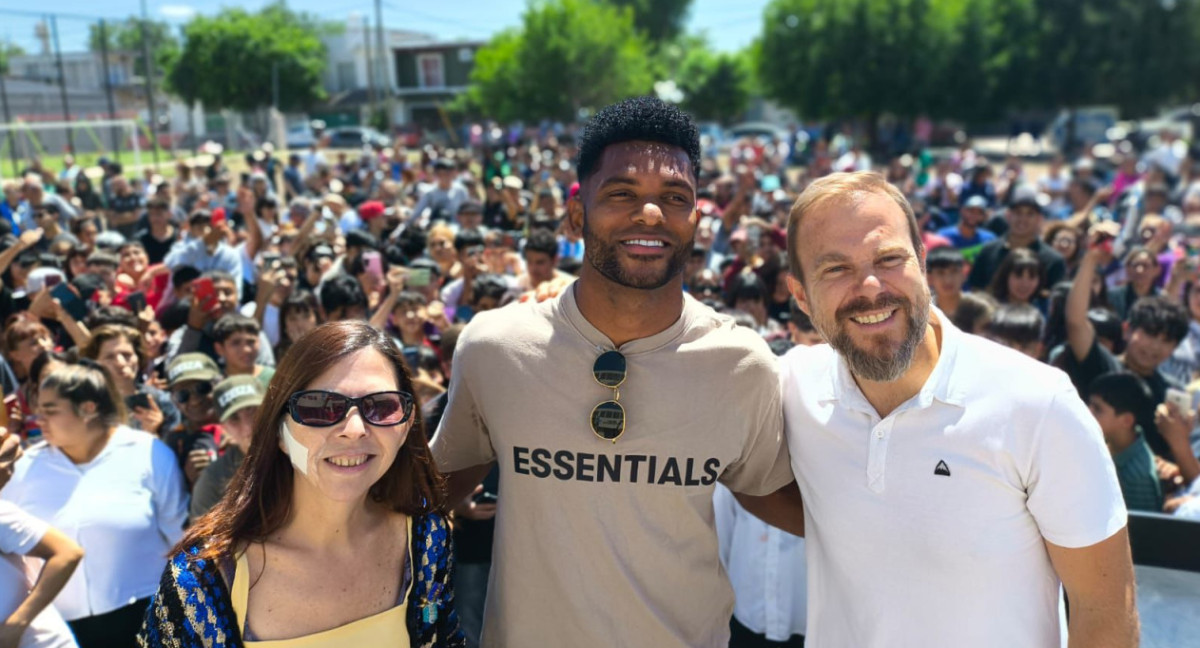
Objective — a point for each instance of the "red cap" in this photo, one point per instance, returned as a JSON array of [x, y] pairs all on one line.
[[370, 209]]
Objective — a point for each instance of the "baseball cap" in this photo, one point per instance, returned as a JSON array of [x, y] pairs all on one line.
[[370, 210], [361, 238], [1027, 195], [442, 164], [513, 182], [192, 366], [37, 279], [237, 393], [977, 202], [319, 251]]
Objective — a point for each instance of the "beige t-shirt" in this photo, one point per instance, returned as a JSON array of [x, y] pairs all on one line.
[[603, 544]]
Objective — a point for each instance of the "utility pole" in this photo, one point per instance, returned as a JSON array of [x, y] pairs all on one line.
[[12, 145], [370, 66], [112, 108], [149, 71], [381, 52], [62, 84]]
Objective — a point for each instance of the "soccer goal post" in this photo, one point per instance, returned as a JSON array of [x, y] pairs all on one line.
[[86, 137]]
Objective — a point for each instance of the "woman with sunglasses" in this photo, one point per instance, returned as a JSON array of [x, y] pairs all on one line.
[[115, 491], [338, 462]]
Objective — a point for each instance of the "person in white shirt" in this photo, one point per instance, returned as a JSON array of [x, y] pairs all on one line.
[[950, 484], [115, 491], [767, 570], [27, 620]]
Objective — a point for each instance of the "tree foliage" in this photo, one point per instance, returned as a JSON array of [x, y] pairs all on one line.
[[227, 59], [127, 36], [716, 86], [660, 20], [7, 50], [977, 59], [568, 57]]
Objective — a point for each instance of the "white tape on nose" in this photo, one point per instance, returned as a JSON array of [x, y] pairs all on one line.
[[297, 452]]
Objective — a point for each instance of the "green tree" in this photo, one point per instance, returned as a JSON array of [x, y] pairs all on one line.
[[660, 20], [127, 36], [568, 57], [227, 59], [716, 86], [7, 50], [853, 58]]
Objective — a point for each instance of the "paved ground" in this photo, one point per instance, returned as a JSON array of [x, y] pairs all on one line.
[[1169, 605]]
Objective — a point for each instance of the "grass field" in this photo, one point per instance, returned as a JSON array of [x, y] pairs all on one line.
[[166, 161]]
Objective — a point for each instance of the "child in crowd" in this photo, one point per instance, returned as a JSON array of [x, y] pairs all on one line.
[[1116, 399]]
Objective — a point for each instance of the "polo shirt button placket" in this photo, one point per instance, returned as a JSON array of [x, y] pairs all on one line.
[[877, 458]]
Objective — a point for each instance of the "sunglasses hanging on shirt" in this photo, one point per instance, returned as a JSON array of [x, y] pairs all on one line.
[[608, 418]]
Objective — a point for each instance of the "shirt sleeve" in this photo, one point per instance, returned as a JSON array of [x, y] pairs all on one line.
[[170, 494], [765, 465], [19, 531], [1072, 487], [462, 439]]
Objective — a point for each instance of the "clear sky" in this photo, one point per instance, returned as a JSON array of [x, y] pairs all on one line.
[[730, 24]]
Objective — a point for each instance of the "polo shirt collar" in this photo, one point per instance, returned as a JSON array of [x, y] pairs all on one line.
[[938, 386]]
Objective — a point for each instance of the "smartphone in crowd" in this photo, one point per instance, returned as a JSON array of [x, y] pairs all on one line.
[[418, 278], [374, 263], [1180, 399], [71, 302], [53, 280], [204, 293], [137, 401], [136, 301]]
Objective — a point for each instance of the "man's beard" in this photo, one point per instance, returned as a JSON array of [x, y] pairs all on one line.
[[888, 365], [605, 258]]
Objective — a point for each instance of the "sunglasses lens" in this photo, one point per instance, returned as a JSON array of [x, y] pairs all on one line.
[[182, 396], [388, 408], [608, 420], [319, 408], [609, 369]]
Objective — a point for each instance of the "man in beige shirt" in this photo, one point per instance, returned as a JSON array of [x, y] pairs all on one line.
[[612, 411]]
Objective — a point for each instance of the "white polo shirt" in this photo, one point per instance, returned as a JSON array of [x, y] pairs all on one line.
[[926, 528], [126, 508]]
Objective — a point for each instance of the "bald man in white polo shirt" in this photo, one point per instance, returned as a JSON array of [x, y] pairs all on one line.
[[950, 484]]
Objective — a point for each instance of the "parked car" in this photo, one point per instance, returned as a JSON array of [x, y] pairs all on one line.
[[1143, 133], [356, 137], [300, 136]]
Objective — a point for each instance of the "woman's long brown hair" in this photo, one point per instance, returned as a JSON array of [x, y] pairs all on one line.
[[258, 500]]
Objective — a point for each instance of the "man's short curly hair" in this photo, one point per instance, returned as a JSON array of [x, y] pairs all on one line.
[[646, 119]]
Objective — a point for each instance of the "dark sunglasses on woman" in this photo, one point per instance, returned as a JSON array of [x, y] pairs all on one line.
[[319, 408]]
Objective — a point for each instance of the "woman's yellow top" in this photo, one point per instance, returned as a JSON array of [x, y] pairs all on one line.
[[389, 627]]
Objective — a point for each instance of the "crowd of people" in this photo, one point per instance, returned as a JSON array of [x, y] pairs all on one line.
[[160, 330]]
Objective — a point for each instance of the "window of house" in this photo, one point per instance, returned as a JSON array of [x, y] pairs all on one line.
[[429, 71]]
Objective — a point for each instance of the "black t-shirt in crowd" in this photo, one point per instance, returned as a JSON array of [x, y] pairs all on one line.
[[127, 204], [1100, 361], [992, 254], [472, 538], [156, 250]]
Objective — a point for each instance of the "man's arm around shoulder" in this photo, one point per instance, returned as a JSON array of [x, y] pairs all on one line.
[[783, 509]]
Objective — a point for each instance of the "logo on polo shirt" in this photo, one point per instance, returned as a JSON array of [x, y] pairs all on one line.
[[942, 469], [237, 392]]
